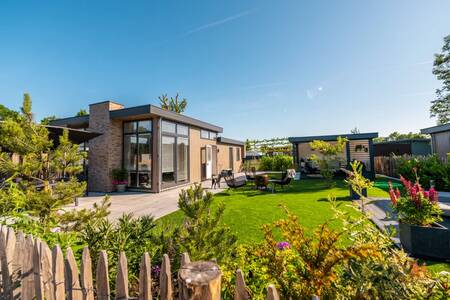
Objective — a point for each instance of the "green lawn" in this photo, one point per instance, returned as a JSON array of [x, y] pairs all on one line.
[[248, 209]]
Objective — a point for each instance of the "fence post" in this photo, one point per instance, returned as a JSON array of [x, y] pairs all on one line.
[[37, 270], [7, 245], [87, 286], [241, 292], [165, 279], [199, 280], [46, 268], [73, 287], [145, 278], [102, 277], [272, 293], [185, 259], [18, 261], [58, 273], [122, 277], [28, 287]]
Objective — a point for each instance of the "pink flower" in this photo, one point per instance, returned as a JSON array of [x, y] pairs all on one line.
[[397, 193], [393, 197], [433, 195], [283, 245]]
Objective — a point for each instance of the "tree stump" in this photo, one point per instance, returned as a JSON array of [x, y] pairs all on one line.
[[200, 281]]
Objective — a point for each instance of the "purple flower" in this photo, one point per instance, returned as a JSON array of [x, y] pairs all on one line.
[[283, 245], [156, 270]]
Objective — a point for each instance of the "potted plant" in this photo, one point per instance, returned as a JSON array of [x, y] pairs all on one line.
[[120, 179], [418, 213]]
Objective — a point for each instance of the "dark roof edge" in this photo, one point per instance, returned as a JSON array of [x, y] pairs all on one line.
[[123, 113], [224, 140], [356, 136], [436, 129], [183, 119], [77, 120]]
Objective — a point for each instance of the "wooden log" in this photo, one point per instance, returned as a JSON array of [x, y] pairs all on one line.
[[272, 293], [185, 259], [200, 281], [122, 278], [58, 273], [145, 278], [7, 245], [87, 285], [241, 292], [48, 288], [37, 269], [102, 277], [28, 286], [165, 279], [73, 288], [18, 260]]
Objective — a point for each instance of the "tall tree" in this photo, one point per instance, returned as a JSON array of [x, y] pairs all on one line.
[[173, 104], [440, 107], [47, 120], [81, 113]]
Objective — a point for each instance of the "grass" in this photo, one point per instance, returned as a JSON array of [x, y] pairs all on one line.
[[248, 209]]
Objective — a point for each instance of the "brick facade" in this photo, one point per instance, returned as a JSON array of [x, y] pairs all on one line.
[[105, 151]]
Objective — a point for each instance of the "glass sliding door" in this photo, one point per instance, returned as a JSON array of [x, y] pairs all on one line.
[[168, 160], [137, 153], [182, 159], [174, 154]]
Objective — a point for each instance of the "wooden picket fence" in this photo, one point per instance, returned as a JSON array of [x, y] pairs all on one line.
[[30, 270]]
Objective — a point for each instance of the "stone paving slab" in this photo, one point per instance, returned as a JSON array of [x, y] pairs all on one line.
[[140, 204], [380, 212]]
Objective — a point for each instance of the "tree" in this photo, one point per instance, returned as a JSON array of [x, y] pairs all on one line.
[[47, 120], [396, 136], [35, 188], [81, 113], [440, 107], [6, 113], [173, 104], [329, 156], [355, 130]]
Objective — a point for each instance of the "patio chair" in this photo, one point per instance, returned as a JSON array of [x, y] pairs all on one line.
[[236, 180], [285, 180]]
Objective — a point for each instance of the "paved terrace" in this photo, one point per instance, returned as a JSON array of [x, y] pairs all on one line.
[[140, 204], [380, 212]]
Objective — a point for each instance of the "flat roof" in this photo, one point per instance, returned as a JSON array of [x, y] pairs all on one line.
[[355, 136], [139, 112], [224, 140], [436, 129]]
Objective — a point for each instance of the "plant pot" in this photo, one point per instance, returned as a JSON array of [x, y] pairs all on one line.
[[355, 196], [120, 188], [426, 242]]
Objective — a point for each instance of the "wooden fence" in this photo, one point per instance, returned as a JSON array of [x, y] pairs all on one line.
[[30, 270], [387, 165]]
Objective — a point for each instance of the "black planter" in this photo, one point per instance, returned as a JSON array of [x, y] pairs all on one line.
[[355, 196], [426, 242]]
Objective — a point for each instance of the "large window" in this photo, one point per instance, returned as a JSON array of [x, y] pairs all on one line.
[[175, 153], [137, 153], [208, 135]]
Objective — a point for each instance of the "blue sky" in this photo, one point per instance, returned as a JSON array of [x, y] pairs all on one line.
[[259, 69]]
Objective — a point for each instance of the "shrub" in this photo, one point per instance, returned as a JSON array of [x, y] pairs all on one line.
[[276, 163], [427, 168], [418, 206], [330, 154]]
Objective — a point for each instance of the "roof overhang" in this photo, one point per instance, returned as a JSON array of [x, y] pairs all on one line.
[[436, 129], [139, 112], [404, 141], [77, 136], [223, 140], [356, 136]]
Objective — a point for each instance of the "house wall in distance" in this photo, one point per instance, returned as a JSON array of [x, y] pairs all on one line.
[[441, 144], [223, 157]]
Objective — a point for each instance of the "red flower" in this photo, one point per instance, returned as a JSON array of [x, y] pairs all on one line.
[[433, 195]]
